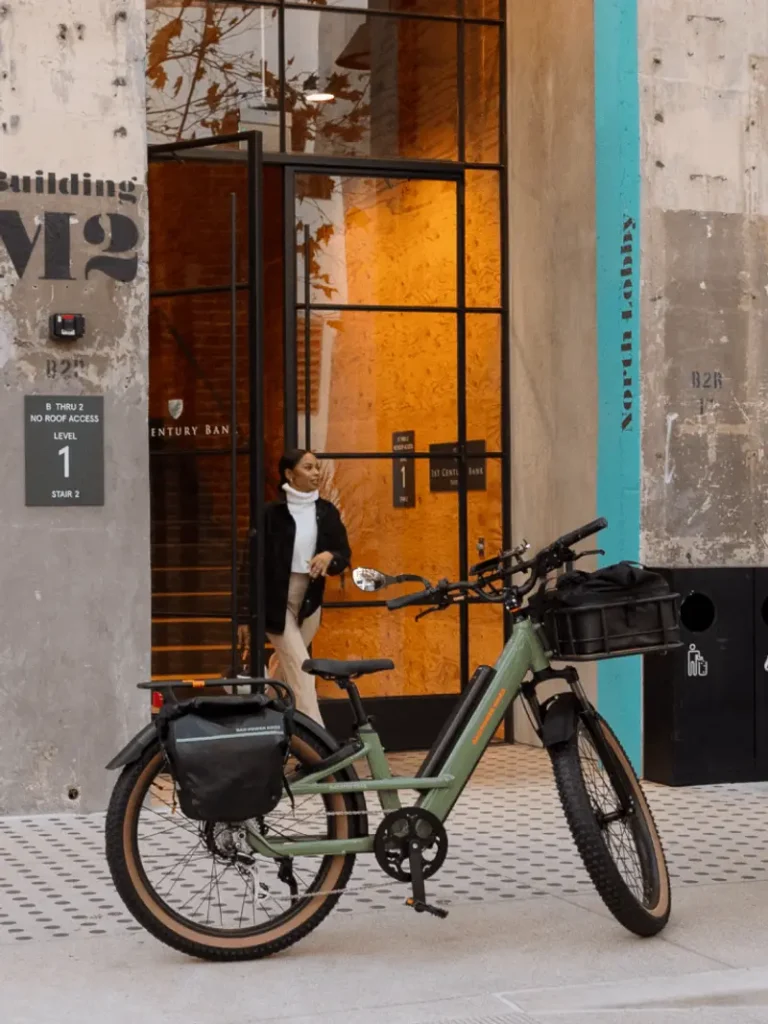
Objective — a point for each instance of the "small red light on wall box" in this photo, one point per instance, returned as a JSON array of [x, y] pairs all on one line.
[[67, 326]]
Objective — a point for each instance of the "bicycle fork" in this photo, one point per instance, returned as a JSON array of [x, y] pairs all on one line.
[[556, 721]]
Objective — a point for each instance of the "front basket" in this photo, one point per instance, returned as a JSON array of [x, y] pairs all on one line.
[[595, 632]]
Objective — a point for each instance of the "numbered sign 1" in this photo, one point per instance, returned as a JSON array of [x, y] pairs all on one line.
[[404, 470], [64, 450]]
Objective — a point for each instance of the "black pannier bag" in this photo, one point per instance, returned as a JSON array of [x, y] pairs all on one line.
[[227, 754], [618, 610]]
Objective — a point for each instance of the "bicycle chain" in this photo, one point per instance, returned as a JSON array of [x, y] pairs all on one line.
[[347, 889], [377, 815]]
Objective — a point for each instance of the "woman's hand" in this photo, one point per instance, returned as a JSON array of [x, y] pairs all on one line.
[[320, 564]]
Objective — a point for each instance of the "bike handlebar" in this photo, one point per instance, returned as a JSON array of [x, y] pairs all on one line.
[[549, 558], [569, 539], [407, 599]]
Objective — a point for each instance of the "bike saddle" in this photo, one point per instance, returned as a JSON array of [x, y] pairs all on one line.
[[346, 669]]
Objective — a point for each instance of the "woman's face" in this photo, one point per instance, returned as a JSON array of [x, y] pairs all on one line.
[[305, 475]]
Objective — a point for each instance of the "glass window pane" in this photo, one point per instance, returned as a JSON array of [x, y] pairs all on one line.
[[377, 241], [425, 653], [190, 334], [486, 634], [483, 238], [483, 9], [481, 93], [190, 372], [374, 374], [485, 522], [191, 560], [484, 379], [195, 252], [212, 69], [365, 86], [436, 8], [422, 539], [273, 390]]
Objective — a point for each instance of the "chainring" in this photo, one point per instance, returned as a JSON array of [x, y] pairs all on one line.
[[398, 830]]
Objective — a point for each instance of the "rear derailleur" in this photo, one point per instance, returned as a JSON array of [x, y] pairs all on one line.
[[410, 845], [229, 845]]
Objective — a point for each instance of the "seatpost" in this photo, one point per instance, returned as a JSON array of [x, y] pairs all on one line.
[[354, 699]]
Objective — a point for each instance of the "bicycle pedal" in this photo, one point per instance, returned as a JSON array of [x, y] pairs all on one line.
[[421, 907]]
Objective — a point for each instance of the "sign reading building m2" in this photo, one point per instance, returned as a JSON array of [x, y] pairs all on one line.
[[112, 237], [114, 234]]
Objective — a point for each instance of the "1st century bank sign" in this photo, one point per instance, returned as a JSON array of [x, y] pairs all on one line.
[[115, 235]]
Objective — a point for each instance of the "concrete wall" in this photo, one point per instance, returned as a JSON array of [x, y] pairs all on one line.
[[74, 606], [704, 117], [552, 259]]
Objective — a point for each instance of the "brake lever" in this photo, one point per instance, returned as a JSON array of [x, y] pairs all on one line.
[[574, 556], [586, 554], [427, 611]]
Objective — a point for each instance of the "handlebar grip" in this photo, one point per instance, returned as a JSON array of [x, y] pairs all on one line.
[[402, 602], [569, 539]]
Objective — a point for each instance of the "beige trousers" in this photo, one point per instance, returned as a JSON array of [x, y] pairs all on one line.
[[291, 649]]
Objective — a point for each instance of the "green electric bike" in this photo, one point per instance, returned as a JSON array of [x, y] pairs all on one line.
[[237, 891]]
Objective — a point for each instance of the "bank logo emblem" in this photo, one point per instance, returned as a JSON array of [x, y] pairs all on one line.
[[176, 407]]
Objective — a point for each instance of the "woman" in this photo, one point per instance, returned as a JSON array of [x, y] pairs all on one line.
[[305, 541]]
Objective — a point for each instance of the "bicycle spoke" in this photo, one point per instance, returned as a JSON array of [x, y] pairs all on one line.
[[208, 873], [183, 864], [618, 827]]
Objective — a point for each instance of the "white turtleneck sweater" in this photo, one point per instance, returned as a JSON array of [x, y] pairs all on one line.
[[301, 505]]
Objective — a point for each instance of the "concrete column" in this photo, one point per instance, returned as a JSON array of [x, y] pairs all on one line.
[[704, 126], [551, 129], [75, 599]]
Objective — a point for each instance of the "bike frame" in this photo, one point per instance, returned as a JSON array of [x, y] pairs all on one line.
[[523, 652]]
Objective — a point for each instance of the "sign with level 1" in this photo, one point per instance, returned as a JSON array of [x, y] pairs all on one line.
[[64, 450], [404, 470]]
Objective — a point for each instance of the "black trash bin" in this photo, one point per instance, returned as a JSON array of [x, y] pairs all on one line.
[[700, 723], [760, 607]]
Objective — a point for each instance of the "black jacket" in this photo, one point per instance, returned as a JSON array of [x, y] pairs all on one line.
[[279, 539]]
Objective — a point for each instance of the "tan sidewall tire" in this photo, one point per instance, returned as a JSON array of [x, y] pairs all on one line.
[[149, 910], [592, 846]]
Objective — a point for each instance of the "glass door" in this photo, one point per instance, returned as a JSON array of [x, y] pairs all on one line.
[[380, 356], [205, 410]]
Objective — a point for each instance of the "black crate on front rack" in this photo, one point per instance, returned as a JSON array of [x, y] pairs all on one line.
[[615, 630]]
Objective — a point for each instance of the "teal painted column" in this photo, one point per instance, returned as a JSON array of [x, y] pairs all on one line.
[[617, 152]]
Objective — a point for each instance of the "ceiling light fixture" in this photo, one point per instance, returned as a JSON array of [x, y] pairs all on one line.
[[314, 94]]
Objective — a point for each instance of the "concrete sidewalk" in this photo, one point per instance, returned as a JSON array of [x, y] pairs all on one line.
[[542, 959], [527, 940]]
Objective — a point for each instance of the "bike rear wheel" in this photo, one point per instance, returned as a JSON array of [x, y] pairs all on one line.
[[620, 848], [199, 886]]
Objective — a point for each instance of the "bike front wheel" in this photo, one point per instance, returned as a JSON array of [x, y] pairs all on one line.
[[618, 841]]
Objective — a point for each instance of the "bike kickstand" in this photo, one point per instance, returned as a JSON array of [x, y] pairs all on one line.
[[419, 899]]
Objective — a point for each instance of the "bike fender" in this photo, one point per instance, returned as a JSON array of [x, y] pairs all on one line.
[[133, 750], [560, 719]]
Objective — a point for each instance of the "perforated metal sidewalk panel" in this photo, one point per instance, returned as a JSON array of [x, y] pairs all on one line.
[[507, 840]]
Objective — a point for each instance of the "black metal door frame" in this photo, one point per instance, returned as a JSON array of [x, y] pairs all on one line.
[[255, 448], [372, 168], [354, 167]]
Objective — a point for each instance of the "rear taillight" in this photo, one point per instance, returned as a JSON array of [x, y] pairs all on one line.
[[157, 701]]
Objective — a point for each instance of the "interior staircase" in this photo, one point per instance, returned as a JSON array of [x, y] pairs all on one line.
[[191, 576]]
